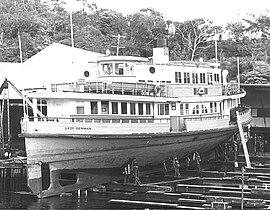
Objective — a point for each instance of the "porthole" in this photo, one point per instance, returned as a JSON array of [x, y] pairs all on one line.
[[152, 70], [86, 73]]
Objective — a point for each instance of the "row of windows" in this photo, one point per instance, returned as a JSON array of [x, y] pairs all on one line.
[[115, 108], [196, 78], [145, 108], [198, 108], [117, 69]]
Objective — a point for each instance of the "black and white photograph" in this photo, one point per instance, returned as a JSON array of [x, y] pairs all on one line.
[[113, 104]]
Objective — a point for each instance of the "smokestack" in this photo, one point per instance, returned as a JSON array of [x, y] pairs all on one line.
[[160, 51]]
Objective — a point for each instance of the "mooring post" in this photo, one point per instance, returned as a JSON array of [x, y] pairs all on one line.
[[176, 166]]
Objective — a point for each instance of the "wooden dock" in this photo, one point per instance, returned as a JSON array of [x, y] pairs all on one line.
[[12, 167], [232, 190]]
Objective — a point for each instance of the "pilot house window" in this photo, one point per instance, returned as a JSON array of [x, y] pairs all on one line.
[[119, 69], [107, 69]]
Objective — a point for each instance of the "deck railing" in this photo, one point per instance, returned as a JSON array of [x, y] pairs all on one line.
[[204, 123], [99, 120], [244, 113], [125, 88], [207, 118]]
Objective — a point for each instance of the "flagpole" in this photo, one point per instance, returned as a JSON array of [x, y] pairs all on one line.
[[216, 50], [238, 72], [71, 30], [216, 46], [20, 46]]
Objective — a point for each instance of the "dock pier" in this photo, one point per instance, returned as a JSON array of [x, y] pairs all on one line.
[[12, 172]]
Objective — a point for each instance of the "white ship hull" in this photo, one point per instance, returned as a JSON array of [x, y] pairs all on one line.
[[101, 154]]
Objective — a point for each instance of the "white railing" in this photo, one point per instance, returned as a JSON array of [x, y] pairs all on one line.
[[52, 126], [207, 118], [245, 114], [99, 120], [205, 123]]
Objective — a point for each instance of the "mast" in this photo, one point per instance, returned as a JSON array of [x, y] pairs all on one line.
[[71, 30], [118, 43]]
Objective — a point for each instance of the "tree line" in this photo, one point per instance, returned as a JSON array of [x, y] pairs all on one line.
[[40, 23]]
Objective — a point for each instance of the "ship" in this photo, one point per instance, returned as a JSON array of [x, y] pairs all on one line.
[[126, 108]]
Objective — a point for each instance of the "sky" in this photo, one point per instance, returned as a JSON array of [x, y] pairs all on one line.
[[220, 12]]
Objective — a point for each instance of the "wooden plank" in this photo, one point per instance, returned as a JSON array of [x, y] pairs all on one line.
[[162, 196], [114, 186], [152, 204], [182, 180], [191, 195], [190, 200], [230, 198], [142, 203]]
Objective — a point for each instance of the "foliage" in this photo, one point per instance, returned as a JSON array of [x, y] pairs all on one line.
[[40, 23], [193, 35]]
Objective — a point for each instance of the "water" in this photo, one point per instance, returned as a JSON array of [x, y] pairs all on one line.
[[11, 199]]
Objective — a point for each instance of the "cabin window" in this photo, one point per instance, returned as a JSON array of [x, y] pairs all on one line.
[[178, 78], [114, 108], [213, 107], [80, 109], [163, 109], [107, 69], [123, 108], [132, 108], [204, 109], [42, 106], [216, 78], [119, 69], [187, 108], [202, 78], [148, 109], [129, 69], [86, 73], [181, 109], [186, 77], [196, 109], [210, 78], [140, 106], [195, 78], [94, 107]]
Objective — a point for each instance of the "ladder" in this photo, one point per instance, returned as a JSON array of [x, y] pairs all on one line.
[[243, 140]]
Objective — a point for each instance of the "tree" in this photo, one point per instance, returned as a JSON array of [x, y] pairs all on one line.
[[194, 35], [253, 37], [24, 18], [144, 27]]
